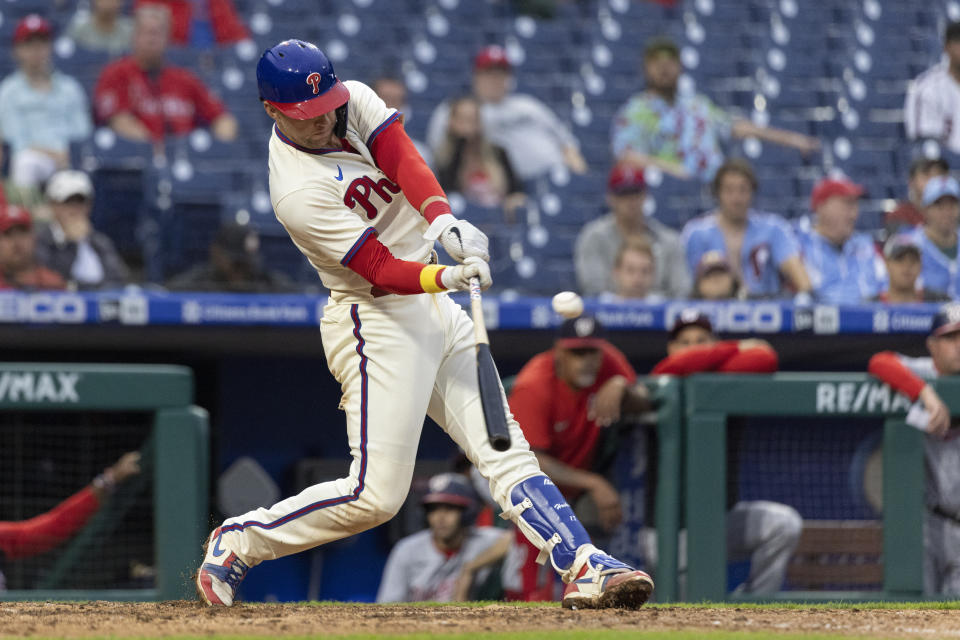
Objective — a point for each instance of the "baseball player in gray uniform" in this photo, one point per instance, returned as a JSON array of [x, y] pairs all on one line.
[[428, 565], [360, 203], [942, 447]]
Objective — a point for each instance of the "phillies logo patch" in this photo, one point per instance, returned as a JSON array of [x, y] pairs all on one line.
[[361, 189], [314, 79]]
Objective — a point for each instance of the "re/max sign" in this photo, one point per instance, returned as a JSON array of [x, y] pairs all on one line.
[[855, 397]]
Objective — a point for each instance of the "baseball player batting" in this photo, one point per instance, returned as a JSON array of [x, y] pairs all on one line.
[[364, 208]]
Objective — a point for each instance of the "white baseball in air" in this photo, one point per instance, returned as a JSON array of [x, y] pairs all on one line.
[[568, 304]]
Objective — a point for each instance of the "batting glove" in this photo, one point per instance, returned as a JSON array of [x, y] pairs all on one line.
[[458, 278], [459, 238]]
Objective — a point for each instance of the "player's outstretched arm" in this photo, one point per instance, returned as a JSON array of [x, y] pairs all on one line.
[[379, 267], [397, 157]]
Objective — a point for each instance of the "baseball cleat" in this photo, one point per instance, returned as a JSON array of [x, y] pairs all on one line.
[[220, 574], [606, 583]]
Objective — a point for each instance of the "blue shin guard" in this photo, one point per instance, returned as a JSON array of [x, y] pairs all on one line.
[[543, 515]]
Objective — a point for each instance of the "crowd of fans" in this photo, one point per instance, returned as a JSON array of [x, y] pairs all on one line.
[[488, 145]]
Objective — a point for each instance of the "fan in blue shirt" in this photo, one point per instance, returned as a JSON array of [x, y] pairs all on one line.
[[760, 247], [937, 236]]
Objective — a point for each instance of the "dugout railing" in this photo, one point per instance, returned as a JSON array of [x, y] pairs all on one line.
[[176, 454], [709, 400]]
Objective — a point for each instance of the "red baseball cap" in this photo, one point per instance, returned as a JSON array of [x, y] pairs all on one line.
[[30, 26], [584, 332], [13, 216], [830, 187], [491, 57], [626, 179]]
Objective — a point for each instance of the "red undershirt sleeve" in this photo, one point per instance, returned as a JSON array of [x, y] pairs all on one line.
[[887, 367], [374, 262], [696, 359], [45, 531], [396, 155], [753, 360]]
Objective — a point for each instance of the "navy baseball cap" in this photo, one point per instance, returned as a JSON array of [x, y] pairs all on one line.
[[940, 187], [690, 318], [450, 488], [298, 79], [583, 332], [946, 321]]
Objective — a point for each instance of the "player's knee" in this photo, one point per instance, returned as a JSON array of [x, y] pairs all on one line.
[[789, 524], [379, 506]]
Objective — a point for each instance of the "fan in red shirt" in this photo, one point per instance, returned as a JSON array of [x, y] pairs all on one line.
[[18, 264], [762, 531], [189, 17], [143, 98], [563, 399], [45, 531]]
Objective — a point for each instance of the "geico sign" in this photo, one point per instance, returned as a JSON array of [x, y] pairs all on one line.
[[43, 307], [854, 397], [734, 317]]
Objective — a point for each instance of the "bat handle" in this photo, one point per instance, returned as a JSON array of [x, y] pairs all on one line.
[[474, 288]]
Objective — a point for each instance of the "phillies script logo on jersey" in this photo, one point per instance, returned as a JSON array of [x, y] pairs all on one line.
[[314, 79], [361, 189]]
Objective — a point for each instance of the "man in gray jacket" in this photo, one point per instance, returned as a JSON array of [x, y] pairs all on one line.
[[85, 257], [600, 240]]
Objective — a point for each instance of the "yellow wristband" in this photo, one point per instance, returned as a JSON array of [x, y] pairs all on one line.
[[430, 278]]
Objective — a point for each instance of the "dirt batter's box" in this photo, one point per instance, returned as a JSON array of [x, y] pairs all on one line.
[[59, 424]]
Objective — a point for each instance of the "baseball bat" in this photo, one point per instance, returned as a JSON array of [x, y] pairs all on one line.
[[489, 379]]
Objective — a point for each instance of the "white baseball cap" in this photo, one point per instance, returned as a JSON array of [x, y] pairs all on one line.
[[65, 184]]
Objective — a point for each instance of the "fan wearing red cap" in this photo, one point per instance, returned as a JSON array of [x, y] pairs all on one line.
[[564, 399], [844, 265], [42, 111], [18, 264], [535, 139], [913, 377], [144, 98], [600, 240]]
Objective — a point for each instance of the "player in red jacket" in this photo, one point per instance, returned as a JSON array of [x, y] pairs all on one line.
[[762, 531], [911, 377], [45, 531], [563, 399]]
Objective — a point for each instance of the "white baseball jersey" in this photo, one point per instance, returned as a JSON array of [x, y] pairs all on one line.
[[932, 109], [330, 201], [417, 571]]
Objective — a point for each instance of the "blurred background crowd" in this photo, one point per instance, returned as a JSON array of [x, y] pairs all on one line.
[[645, 149]]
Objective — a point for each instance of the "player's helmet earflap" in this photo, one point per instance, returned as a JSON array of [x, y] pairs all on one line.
[[297, 79], [453, 489]]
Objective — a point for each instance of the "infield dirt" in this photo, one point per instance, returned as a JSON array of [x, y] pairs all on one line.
[[79, 620]]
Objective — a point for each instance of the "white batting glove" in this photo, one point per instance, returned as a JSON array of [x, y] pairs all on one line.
[[458, 278], [459, 238]]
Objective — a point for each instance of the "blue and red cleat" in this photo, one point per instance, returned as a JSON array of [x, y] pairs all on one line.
[[220, 574], [603, 582]]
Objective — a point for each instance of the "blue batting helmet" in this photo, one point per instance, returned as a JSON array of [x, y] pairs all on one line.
[[298, 80]]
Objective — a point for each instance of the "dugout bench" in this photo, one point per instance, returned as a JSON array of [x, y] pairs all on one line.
[[175, 455], [709, 400]]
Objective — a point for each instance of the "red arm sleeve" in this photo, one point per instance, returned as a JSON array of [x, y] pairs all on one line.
[[696, 359], [47, 530], [372, 260], [397, 157], [887, 367], [753, 360], [530, 405]]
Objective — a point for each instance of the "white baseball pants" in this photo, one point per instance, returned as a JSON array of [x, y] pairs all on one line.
[[397, 359]]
